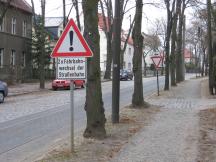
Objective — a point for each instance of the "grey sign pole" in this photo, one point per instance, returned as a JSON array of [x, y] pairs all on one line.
[[157, 84], [72, 113]]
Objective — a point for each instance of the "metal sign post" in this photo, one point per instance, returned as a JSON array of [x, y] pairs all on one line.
[[69, 68], [72, 113], [157, 83], [157, 60]]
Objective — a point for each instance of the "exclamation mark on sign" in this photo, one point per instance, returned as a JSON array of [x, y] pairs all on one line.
[[71, 40]]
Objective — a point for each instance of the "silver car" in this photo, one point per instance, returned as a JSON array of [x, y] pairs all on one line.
[[3, 91]]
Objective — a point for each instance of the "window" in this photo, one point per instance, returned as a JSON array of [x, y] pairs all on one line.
[[124, 65], [105, 64], [24, 28], [13, 27], [61, 32], [129, 51], [1, 57], [23, 63], [2, 25], [12, 61], [129, 66]]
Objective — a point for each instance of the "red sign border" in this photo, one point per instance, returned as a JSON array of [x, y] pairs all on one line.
[[55, 52], [156, 66]]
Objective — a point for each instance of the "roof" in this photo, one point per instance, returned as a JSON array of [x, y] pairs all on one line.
[[101, 23], [53, 21], [187, 53], [20, 4]]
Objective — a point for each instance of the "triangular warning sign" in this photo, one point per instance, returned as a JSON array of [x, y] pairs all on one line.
[[156, 60], [71, 43]]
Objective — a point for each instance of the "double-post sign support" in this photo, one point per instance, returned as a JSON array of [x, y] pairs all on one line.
[[156, 59], [71, 51]]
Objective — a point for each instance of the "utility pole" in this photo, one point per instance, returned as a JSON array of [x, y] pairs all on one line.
[[116, 62], [64, 15]]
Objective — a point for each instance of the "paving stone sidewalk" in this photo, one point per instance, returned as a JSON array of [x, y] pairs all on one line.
[[173, 134], [26, 88]]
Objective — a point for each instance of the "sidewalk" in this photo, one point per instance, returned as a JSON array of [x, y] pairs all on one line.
[[173, 135], [25, 88]]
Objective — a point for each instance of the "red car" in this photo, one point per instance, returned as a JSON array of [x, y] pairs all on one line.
[[65, 84]]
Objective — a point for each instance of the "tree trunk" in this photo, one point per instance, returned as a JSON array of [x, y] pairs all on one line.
[[173, 52], [210, 54], [196, 58], [167, 47], [42, 47], [214, 61], [137, 98], [206, 65], [64, 14], [116, 62], [109, 31], [180, 50], [204, 58], [183, 48], [75, 3], [94, 104], [122, 59], [107, 74], [145, 66]]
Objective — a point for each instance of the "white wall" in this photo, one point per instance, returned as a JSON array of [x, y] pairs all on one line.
[[128, 57], [103, 50]]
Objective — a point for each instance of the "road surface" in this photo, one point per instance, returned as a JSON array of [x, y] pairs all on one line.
[[29, 124]]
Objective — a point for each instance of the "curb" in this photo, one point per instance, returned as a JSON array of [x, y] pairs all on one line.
[[17, 93]]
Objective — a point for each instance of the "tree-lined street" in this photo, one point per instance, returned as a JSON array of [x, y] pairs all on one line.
[[94, 45], [30, 123]]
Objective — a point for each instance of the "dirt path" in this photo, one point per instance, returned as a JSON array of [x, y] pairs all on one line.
[[177, 132], [173, 135], [207, 129]]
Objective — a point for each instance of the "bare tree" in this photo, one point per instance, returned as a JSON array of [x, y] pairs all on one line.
[[173, 44], [137, 98], [75, 4], [42, 63], [210, 52], [94, 104], [3, 9], [170, 9], [108, 29], [180, 51], [125, 44]]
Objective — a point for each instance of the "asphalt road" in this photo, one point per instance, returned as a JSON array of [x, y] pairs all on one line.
[[26, 137]]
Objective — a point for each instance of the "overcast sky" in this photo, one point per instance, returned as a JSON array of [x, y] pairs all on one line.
[[150, 13]]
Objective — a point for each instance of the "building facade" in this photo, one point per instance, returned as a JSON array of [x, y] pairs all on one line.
[[15, 42]]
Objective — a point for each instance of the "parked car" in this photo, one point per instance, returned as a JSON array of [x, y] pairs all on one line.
[[65, 84], [126, 74], [3, 91]]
